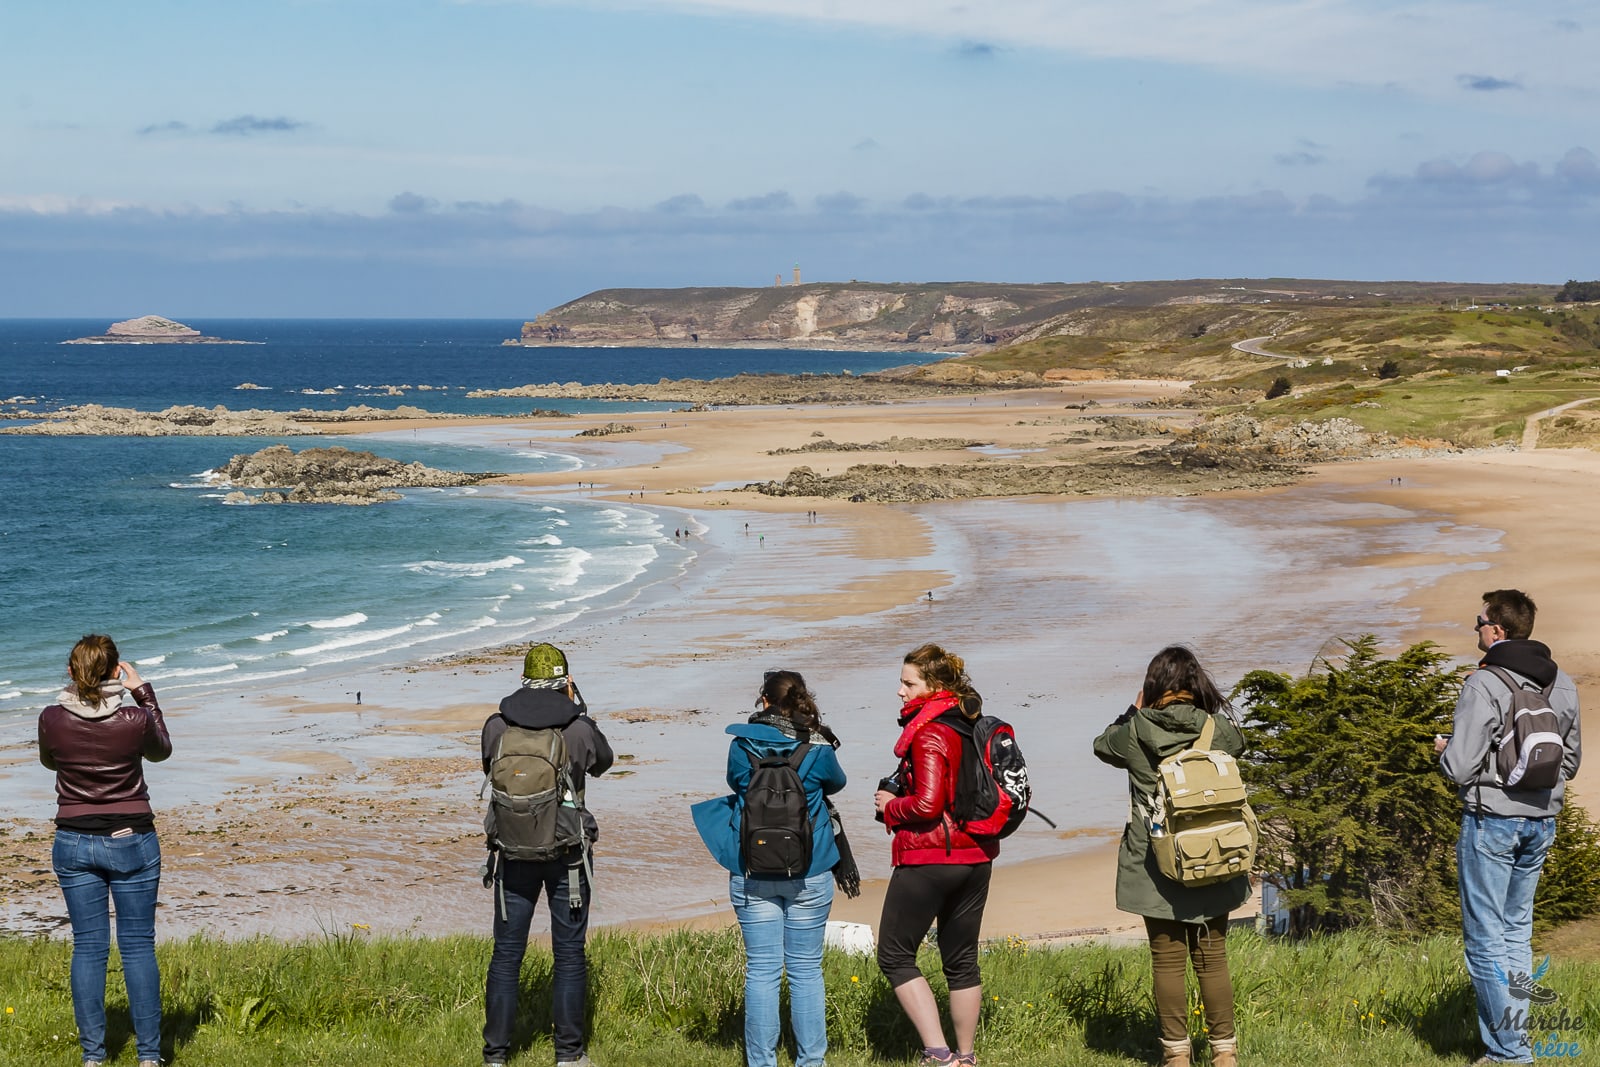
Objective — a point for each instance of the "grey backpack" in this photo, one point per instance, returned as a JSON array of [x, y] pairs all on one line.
[[1529, 751]]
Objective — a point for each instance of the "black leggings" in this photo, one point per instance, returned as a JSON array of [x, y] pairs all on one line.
[[954, 894]]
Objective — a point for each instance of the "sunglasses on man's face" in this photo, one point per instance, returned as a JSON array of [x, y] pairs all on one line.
[[1480, 622]]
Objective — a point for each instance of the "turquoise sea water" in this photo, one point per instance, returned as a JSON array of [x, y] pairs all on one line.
[[127, 536]]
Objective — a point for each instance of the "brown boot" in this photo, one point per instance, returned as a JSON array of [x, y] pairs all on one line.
[[1175, 1053], [1225, 1052]]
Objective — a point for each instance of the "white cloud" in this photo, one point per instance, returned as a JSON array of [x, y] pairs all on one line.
[[1421, 46]]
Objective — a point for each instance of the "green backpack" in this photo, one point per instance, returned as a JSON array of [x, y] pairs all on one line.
[[535, 811], [1201, 827]]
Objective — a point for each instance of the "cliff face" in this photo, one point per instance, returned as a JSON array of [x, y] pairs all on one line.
[[845, 314], [954, 315]]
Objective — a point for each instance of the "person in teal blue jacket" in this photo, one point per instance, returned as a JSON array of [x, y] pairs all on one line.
[[782, 919]]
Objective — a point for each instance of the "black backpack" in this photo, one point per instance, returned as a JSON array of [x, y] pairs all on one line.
[[1530, 749], [993, 796], [775, 824]]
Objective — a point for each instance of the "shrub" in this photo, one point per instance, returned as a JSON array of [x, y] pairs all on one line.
[[1281, 386], [1358, 826], [1390, 369], [1569, 888]]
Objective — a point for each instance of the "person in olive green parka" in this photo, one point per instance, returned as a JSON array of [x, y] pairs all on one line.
[[1183, 922]]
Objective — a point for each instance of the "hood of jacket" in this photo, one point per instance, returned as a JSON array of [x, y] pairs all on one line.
[[1531, 659], [111, 692], [541, 709], [1168, 730]]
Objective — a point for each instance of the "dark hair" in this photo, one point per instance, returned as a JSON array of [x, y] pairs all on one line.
[[786, 693], [1176, 669], [1512, 610], [92, 663], [944, 670]]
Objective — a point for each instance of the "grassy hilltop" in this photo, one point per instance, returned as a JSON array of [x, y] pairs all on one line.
[[1412, 359]]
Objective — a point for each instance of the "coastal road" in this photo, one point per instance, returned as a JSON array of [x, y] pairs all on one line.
[[1530, 430], [1252, 345]]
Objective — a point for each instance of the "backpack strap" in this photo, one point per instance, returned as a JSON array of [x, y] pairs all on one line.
[[1207, 733]]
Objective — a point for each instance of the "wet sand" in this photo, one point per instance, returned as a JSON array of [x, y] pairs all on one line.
[[308, 813]]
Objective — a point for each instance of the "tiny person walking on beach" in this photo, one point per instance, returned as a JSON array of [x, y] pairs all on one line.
[[941, 872], [1184, 922], [783, 914], [105, 846]]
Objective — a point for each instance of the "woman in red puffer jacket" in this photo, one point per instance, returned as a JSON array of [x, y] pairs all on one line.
[[940, 871]]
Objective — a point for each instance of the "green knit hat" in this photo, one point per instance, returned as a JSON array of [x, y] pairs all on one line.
[[544, 661]]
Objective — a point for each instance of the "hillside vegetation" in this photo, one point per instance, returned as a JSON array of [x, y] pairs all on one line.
[[1466, 376]]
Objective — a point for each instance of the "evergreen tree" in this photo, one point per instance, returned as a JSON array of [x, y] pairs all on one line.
[[1569, 887], [1357, 824]]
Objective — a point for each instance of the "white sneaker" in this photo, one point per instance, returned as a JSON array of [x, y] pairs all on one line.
[[581, 1061]]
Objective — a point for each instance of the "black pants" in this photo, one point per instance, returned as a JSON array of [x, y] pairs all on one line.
[[954, 894]]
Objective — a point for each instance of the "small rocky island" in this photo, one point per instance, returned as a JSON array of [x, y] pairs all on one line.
[[328, 476], [153, 330]]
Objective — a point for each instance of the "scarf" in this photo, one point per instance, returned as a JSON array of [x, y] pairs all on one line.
[[111, 691], [918, 713], [782, 723], [1182, 696]]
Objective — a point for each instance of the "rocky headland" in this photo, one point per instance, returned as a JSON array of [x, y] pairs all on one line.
[[153, 330], [188, 420], [935, 316], [743, 389], [331, 475]]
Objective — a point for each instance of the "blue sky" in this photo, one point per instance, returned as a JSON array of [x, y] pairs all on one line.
[[497, 157]]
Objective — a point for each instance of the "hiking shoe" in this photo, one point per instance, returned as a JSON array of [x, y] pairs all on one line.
[[930, 1060]]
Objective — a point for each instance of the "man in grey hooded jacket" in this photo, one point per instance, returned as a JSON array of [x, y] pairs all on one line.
[[1505, 831]]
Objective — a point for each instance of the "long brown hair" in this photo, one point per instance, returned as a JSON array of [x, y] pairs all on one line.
[[1176, 669], [943, 670], [93, 662], [786, 694]]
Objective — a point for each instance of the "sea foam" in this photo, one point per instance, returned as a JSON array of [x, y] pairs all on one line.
[[355, 618]]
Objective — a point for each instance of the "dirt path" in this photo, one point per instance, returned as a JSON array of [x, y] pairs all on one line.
[[1530, 431]]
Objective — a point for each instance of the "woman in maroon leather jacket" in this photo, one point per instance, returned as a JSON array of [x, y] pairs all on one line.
[[105, 846], [940, 871]]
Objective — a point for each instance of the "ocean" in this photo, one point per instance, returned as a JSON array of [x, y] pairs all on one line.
[[128, 536]]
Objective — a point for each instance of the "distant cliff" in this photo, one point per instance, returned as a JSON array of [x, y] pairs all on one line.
[[946, 315], [846, 315]]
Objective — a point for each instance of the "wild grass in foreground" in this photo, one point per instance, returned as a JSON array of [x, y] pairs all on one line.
[[677, 998]]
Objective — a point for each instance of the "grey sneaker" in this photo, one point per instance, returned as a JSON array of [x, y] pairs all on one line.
[[149, 1063], [581, 1061]]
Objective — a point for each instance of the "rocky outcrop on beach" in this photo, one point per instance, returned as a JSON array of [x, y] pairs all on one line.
[[331, 475], [892, 444], [188, 420], [152, 330], [610, 429], [1146, 474], [1235, 452], [754, 389]]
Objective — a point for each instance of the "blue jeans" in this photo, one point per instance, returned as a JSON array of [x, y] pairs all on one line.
[[1498, 859], [94, 869], [521, 883], [783, 921]]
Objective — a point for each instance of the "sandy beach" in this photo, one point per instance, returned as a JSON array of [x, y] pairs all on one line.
[[296, 811]]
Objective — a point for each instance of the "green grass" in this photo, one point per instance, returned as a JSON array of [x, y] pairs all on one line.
[[1465, 409], [677, 999]]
